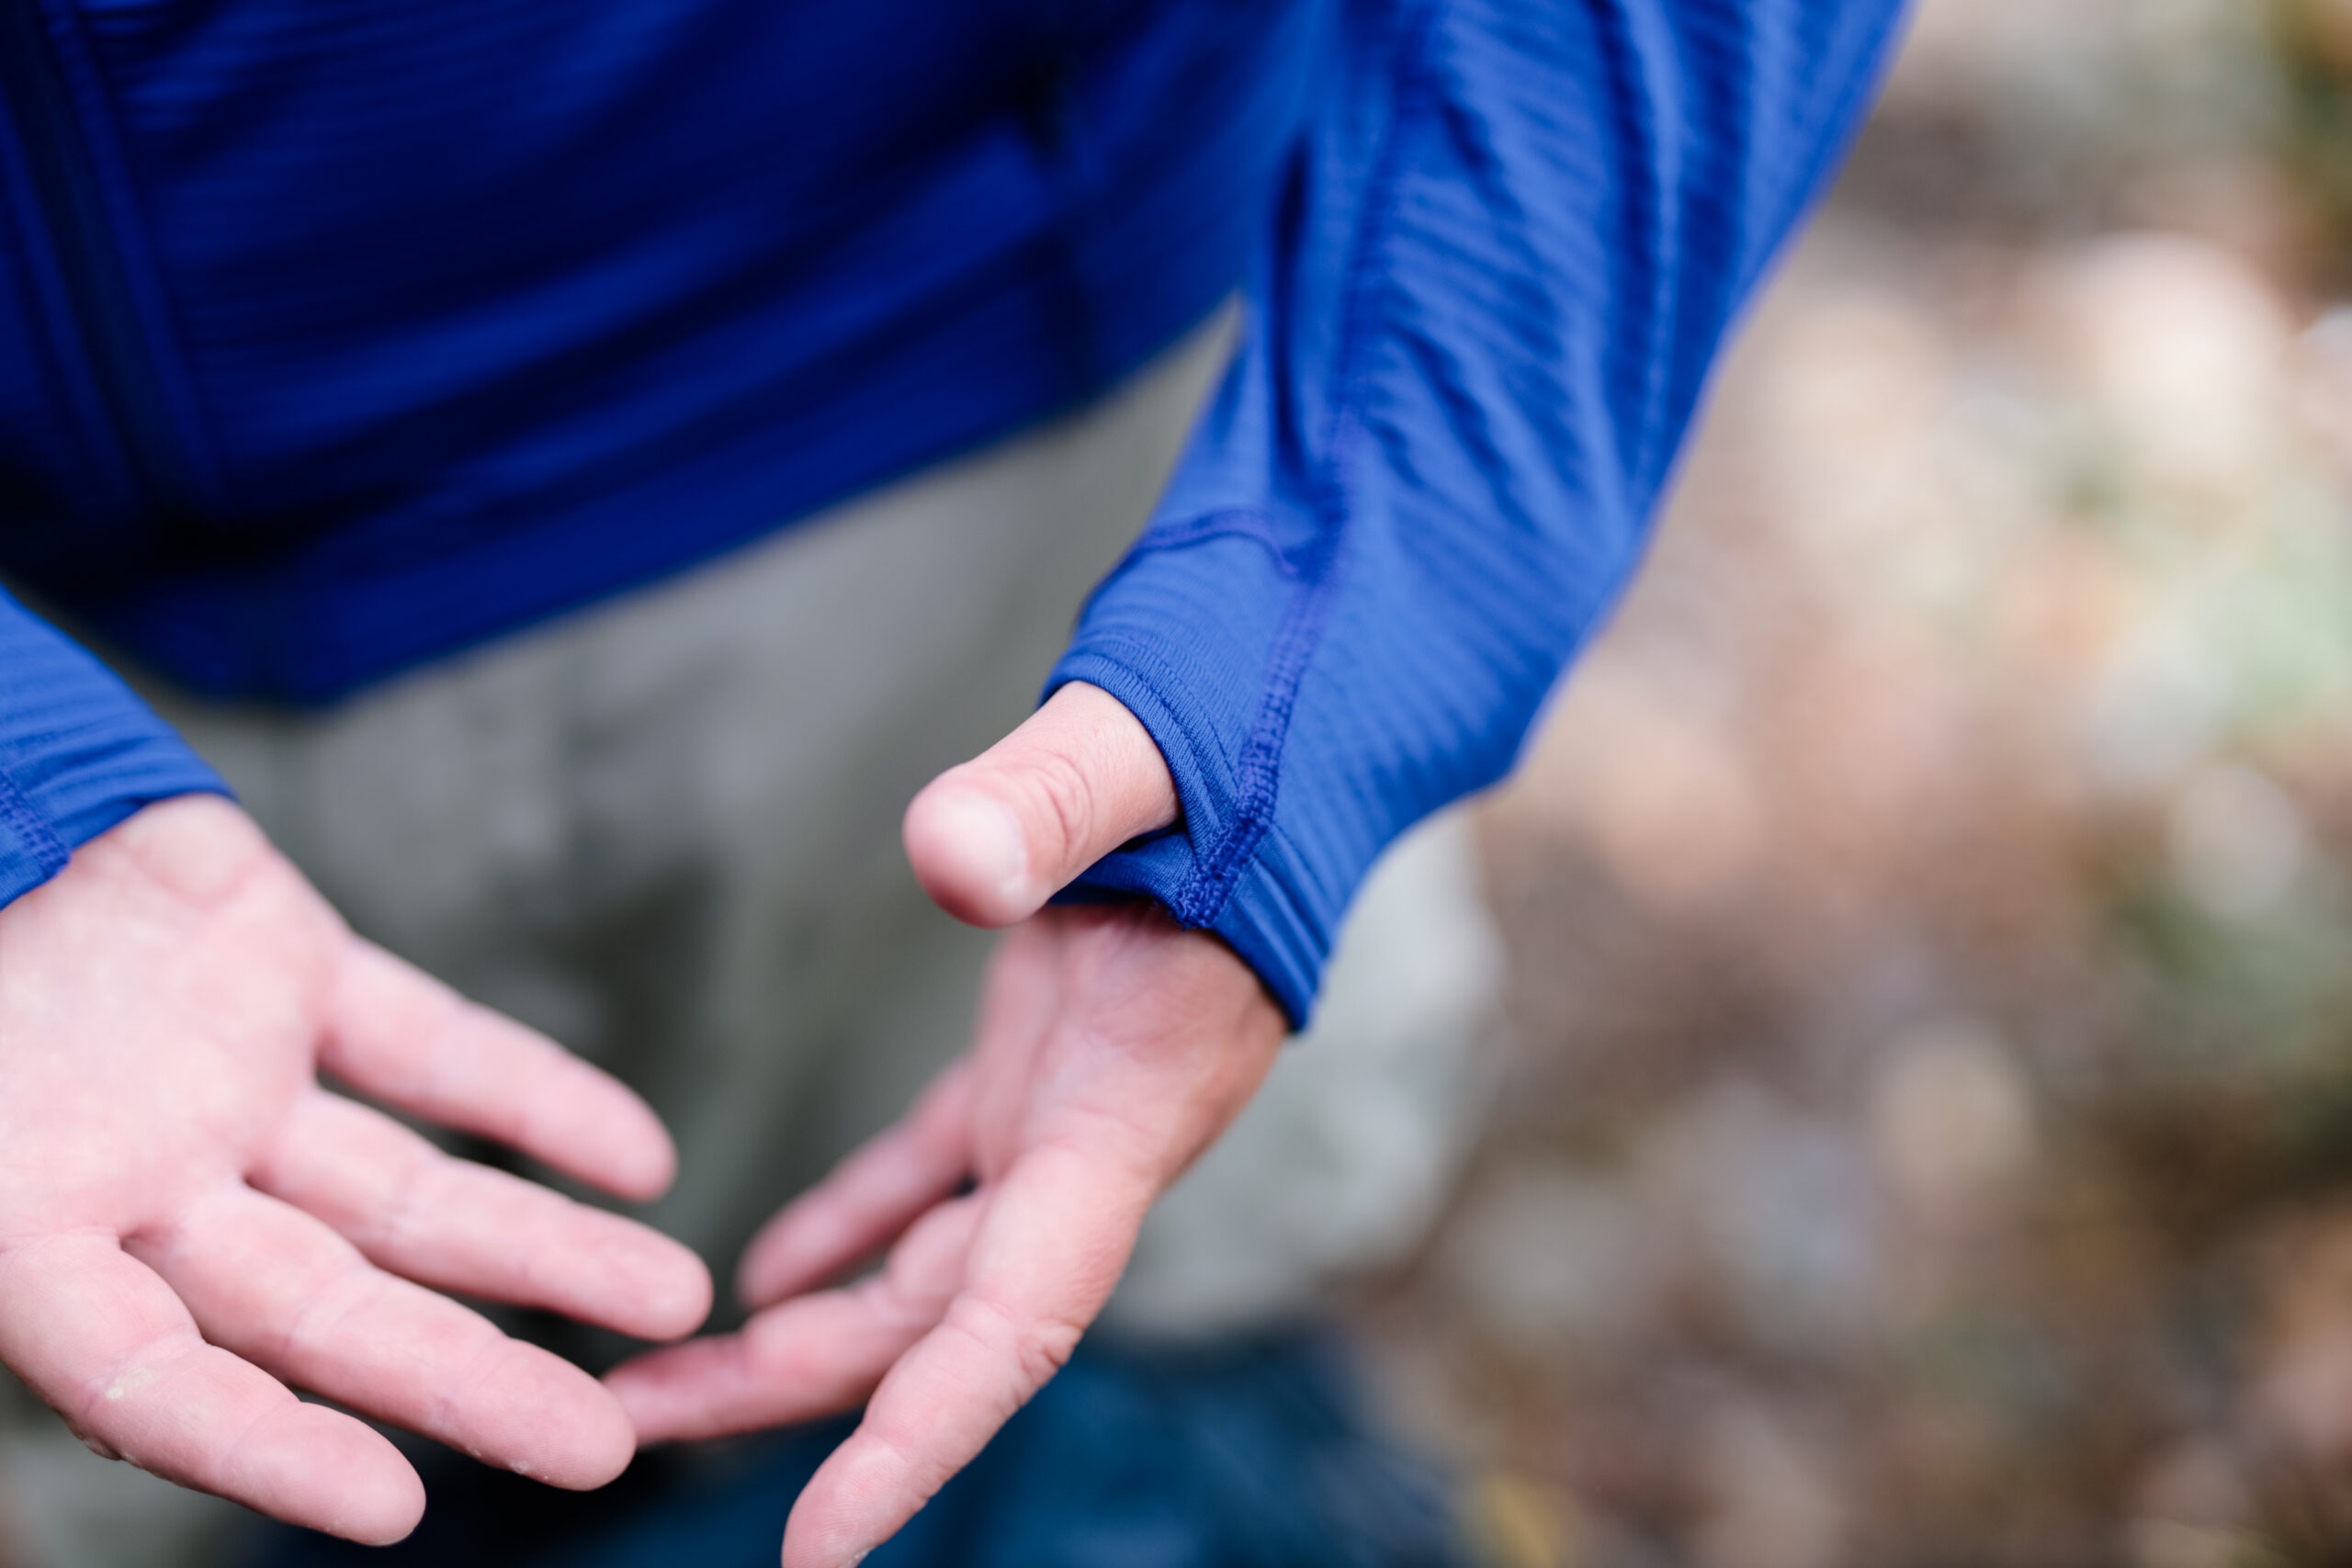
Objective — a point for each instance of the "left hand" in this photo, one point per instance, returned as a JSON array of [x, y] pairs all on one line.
[[1113, 1046]]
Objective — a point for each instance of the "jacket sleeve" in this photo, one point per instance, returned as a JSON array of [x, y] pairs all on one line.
[[1506, 252], [78, 752]]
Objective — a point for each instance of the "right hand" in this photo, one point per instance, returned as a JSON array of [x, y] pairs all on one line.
[[1113, 1047], [187, 1217]]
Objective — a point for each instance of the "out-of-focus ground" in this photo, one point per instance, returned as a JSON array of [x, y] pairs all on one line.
[[1929, 1133]]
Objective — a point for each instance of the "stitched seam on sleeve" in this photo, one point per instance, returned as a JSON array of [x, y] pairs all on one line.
[[1258, 771], [31, 828]]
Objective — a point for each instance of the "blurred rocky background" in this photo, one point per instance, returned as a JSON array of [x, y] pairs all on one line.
[[1928, 1135]]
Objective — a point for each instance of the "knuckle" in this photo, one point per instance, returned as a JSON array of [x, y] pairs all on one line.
[[1036, 1348], [1063, 797], [1047, 1347]]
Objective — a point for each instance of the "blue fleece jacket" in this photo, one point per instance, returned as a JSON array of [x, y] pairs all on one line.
[[334, 339]]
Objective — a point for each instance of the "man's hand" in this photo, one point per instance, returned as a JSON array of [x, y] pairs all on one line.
[[1112, 1048], [186, 1218]]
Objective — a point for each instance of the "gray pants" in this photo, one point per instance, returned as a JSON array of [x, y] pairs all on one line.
[[664, 829]]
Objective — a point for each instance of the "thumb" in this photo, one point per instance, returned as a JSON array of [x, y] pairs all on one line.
[[993, 838]]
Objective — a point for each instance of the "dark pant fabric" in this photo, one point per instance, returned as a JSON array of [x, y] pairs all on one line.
[[1241, 1455]]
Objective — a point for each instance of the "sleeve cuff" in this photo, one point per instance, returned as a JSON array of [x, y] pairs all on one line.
[[78, 752], [1192, 644]]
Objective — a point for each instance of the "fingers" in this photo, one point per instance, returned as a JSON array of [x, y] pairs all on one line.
[[875, 1194], [404, 1037], [105, 1342], [809, 1357], [991, 840], [1052, 1244], [416, 1211], [279, 1288]]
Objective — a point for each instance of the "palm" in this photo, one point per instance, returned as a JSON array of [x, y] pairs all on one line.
[[185, 1213], [1112, 1048]]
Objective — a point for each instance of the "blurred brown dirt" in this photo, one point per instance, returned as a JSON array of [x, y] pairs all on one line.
[[1930, 1133]]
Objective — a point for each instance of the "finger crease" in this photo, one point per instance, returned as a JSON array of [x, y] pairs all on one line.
[[323, 1312], [1039, 1348], [470, 1378], [224, 1456], [396, 1227]]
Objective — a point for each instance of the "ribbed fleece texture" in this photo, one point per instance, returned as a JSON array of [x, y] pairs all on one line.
[[78, 752]]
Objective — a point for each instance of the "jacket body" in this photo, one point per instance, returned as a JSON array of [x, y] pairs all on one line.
[[334, 337]]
